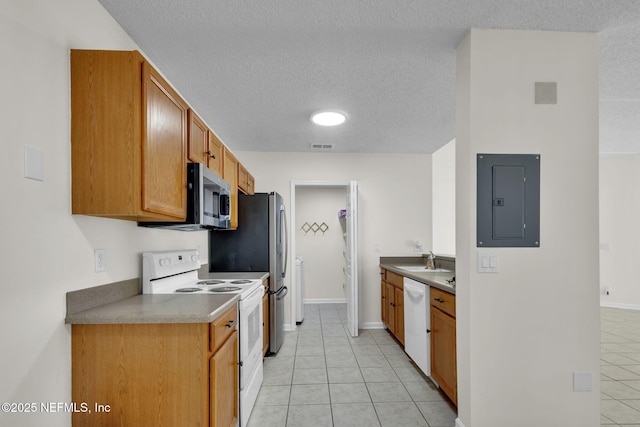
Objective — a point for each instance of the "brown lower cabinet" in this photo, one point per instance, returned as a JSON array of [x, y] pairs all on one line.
[[443, 342], [178, 374], [392, 303]]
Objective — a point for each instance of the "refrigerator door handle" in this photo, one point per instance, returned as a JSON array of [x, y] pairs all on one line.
[[283, 216], [284, 291], [280, 293]]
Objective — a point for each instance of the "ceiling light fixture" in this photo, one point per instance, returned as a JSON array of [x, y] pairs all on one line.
[[328, 118]]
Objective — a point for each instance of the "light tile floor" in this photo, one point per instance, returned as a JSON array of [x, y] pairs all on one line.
[[323, 377], [620, 367]]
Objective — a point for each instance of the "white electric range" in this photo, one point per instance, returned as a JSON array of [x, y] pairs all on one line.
[[176, 272]]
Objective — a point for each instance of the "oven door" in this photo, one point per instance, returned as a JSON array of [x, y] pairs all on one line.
[[250, 334]]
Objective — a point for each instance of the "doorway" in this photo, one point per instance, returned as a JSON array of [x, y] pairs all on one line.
[[333, 219]]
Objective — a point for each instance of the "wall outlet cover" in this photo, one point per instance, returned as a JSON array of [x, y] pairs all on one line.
[[33, 163], [582, 381], [100, 260]]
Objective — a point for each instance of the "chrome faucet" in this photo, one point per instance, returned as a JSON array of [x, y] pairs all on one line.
[[431, 261]]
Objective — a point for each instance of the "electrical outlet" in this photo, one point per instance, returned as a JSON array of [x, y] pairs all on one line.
[[100, 260], [376, 247], [418, 246]]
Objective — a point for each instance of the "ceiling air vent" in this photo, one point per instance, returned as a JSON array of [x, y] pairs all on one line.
[[322, 147]]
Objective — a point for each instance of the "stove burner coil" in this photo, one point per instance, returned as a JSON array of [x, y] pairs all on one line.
[[241, 282], [225, 289], [188, 290], [211, 282]]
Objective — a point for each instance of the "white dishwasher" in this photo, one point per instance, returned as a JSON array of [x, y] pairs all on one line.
[[416, 323]]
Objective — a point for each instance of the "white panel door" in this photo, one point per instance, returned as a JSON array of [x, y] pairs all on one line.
[[351, 270]]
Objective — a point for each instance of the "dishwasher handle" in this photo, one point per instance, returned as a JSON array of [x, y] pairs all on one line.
[[414, 292]]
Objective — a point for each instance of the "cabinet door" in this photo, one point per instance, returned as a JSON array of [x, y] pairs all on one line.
[[164, 143], [384, 305], [230, 174], [243, 179], [215, 153], [443, 352], [399, 312], [224, 384], [391, 315], [198, 139], [251, 184]]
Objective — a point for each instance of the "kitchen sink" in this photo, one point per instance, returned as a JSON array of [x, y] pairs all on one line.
[[421, 269]]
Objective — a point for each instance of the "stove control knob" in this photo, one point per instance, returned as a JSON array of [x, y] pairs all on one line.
[[194, 258], [164, 262]]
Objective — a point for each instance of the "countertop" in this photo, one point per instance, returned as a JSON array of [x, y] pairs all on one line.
[[431, 278], [157, 308], [123, 302]]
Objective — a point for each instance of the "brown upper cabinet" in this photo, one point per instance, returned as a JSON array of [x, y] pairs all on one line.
[[198, 139], [128, 138], [204, 145], [245, 180], [230, 174], [216, 152]]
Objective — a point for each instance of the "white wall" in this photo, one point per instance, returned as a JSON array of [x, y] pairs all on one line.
[[44, 250], [619, 230], [523, 331], [394, 204], [323, 253], [444, 199]]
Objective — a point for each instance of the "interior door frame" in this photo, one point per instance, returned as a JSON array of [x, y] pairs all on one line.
[[292, 228]]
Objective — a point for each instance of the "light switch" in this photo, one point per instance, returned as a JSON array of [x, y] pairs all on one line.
[[493, 261], [487, 262], [33, 163]]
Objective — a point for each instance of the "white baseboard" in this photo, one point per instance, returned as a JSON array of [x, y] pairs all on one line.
[[459, 423], [325, 301], [289, 328], [620, 305], [371, 325]]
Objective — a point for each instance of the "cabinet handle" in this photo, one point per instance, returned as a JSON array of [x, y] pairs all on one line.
[[428, 331], [231, 323], [439, 300], [213, 156]]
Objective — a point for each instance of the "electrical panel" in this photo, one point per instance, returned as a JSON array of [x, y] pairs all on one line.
[[508, 200]]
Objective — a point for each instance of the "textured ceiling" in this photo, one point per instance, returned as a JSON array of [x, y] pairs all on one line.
[[255, 70]]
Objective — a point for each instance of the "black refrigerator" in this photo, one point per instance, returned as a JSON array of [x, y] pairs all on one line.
[[259, 244]]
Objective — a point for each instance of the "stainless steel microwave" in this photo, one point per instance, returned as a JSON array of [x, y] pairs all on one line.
[[208, 202]]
